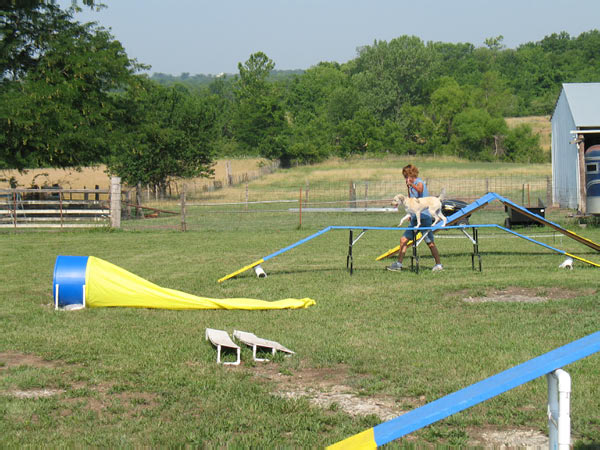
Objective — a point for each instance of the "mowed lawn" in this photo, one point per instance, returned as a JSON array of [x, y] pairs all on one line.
[[140, 377]]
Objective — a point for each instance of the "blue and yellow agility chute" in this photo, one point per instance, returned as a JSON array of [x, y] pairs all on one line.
[[96, 283]]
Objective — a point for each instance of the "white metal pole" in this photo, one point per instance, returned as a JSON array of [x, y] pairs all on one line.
[[559, 416]]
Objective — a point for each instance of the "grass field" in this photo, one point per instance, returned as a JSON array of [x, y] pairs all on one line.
[[375, 344]]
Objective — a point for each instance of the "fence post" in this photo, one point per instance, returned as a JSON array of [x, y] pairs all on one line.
[[352, 195], [228, 173], [548, 191], [183, 223], [300, 208], [115, 202], [306, 193], [15, 208], [60, 202], [139, 212], [128, 204]]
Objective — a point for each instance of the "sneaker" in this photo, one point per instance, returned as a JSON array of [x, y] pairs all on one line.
[[437, 268], [395, 267]]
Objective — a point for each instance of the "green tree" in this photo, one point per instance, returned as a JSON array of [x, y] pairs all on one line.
[[494, 95], [522, 145], [387, 75], [57, 89], [259, 122], [359, 135], [309, 94], [447, 101], [419, 131], [478, 134], [165, 133]]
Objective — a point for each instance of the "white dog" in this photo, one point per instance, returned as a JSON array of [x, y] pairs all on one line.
[[417, 205]]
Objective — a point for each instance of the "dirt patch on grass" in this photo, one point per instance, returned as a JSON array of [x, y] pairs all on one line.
[[515, 294], [13, 359], [505, 439], [36, 393], [98, 397], [331, 388]]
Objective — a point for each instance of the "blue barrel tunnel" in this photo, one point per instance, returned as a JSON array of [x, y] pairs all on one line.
[[69, 280]]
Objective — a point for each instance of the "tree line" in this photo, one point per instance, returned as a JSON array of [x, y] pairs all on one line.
[[71, 96]]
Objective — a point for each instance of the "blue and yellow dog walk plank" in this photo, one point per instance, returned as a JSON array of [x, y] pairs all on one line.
[[274, 254], [472, 395]]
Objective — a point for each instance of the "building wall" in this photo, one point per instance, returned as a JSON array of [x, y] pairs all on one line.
[[565, 168]]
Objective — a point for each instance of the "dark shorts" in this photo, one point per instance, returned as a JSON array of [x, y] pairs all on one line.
[[426, 221]]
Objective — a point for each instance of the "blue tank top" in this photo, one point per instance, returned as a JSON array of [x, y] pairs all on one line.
[[414, 193]]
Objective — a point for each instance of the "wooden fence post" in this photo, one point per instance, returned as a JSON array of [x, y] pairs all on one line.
[[300, 208], [115, 202], [60, 202], [128, 203], [139, 211], [183, 223], [15, 208], [228, 174]]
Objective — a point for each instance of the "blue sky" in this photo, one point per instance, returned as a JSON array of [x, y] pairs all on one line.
[[210, 37]]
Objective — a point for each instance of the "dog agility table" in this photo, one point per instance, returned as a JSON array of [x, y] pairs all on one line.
[[414, 258]]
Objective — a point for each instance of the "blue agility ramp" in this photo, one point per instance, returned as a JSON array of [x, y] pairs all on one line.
[[472, 395]]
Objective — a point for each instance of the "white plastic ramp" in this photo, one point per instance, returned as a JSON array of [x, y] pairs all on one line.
[[220, 339], [251, 340]]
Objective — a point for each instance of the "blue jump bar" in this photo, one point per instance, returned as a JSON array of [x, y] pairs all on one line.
[[486, 389]]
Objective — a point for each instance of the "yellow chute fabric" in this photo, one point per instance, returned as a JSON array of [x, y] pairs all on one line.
[[110, 285]]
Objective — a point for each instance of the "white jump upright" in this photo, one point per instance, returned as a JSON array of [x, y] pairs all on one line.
[[559, 415]]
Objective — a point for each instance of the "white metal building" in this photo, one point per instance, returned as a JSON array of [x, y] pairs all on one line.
[[575, 128]]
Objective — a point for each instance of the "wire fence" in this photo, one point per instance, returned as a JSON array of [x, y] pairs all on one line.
[[196, 207], [215, 207], [529, 191]]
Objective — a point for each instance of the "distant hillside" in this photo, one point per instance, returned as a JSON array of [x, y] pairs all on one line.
[[204, 79]]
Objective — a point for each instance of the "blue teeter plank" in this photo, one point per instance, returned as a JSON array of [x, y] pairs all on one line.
[[549, 223], [470, 208], [524, 210], [486, 389]]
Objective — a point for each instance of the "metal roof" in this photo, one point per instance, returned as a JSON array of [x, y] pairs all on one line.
[[584, 102]]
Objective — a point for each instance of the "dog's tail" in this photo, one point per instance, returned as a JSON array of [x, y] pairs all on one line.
[[442, 195]]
